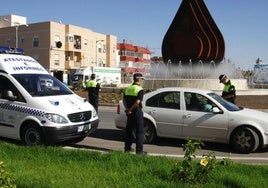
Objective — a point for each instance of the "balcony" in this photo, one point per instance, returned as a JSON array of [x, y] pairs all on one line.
[[72, 64], [127, 58]]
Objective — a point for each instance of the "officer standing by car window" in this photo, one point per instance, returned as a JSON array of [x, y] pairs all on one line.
[[132, 100], [93, 89], [228, 92]]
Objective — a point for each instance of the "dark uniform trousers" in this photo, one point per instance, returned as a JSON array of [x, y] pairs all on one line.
[[135, 122], [93, 99]]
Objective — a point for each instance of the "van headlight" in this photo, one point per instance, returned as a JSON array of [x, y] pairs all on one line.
[[94, 113], [55, 118]]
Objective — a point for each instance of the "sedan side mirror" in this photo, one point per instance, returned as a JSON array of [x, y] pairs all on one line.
[[216, 110]]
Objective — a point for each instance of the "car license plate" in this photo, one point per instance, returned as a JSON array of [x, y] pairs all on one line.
[[80, 128]]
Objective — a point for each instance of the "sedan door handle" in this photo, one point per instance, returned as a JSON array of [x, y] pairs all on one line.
[[187, 116], [152, 112]]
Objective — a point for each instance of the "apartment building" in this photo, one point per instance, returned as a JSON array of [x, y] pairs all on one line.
[[60, 48], [133, 58]]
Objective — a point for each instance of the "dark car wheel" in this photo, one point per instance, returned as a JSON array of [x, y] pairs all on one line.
[[32, 135], [149, 133], [245, 140]]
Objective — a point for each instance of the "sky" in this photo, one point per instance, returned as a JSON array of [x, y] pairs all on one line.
[[242, 23]]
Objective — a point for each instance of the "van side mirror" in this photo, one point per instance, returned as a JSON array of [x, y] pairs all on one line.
[[8, 94]]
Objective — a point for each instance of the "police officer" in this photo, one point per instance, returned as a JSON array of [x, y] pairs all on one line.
[[228, 92], [132, 100], [93, 89]]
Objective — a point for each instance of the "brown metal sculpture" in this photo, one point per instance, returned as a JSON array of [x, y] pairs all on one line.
[[193, 35]]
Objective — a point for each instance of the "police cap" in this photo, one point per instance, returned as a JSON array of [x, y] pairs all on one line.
[[222, 77], [137, 75], [93, 76]]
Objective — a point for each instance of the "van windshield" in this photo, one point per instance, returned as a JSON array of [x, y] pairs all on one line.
[[77, 77], [42, 84]]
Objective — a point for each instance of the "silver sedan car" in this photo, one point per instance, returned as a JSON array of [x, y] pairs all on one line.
[[199, 114]]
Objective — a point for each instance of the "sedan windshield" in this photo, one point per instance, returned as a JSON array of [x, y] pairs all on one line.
[[228, 105], [42, 85]]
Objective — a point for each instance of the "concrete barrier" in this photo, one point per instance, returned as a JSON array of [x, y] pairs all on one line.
[[210, 84]]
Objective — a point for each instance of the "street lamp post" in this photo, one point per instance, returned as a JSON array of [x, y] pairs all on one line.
[[16, 37], [97, 41], [16, 25]]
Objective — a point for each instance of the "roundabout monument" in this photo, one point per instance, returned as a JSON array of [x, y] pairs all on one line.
[[193, 50]]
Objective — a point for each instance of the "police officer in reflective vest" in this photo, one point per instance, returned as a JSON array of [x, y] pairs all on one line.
[[228, 92], [132, 100], [93, 89]]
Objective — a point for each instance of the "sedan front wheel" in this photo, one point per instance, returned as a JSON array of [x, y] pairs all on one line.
[[245, 140], [32, 136]]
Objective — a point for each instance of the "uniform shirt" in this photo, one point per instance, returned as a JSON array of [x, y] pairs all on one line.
[[93, 88], [132, 93], [229, 89]]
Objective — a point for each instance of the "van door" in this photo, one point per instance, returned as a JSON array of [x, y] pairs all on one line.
[[11, 101]]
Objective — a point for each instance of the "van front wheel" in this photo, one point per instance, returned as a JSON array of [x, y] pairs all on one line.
[[32, 136]]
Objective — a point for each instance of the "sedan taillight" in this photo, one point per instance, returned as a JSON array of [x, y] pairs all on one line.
[[118, 109]]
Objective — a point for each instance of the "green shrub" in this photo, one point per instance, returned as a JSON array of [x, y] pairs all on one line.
[[193, 172], [5, 178]]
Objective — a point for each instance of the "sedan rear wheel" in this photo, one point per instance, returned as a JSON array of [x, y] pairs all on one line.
[[149, 132], [245, 140]]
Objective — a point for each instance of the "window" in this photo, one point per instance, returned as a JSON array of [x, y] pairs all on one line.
[[197, 102], [7, 88], [57, 38], [42, 85], [77, 43], [69, 38], [56, 59], [85, 42], [7, 42], [165, 100], [99, 46], [35, 41], [22, 40], [57, 41]]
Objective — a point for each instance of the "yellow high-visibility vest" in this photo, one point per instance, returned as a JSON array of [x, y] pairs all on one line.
[[91, 83], [133, 90]]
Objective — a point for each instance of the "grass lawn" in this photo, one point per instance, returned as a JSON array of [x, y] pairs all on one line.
[[43, 166]]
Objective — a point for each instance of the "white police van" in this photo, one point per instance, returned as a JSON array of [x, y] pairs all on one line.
[[35, 107]]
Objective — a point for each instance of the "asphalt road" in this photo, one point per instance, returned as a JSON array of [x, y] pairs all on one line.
[[108, 138]]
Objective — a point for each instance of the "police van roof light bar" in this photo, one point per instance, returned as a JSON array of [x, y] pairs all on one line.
[[8, 50]]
